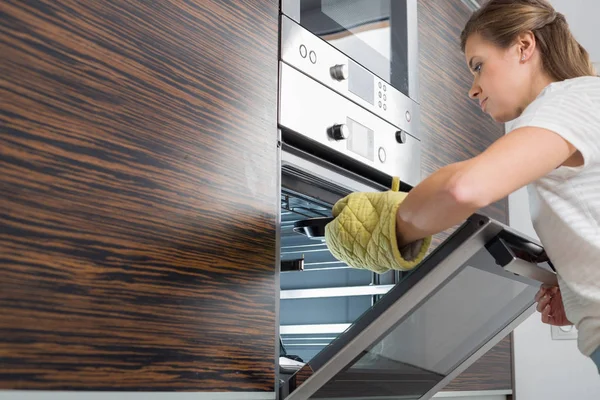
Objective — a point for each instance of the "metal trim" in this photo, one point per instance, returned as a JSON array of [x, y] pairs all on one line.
[[344, 291], [475, 393], [412, 17], [316, 329]]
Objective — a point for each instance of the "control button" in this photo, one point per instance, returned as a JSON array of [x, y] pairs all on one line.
[[379, 104], [384, 88], [379, 85], [382, 155], [339, 132], [384, 97], [408, 116], [379, 94], [313, 57], [339, 72], [400, 137], [384, 107], [303, 51]]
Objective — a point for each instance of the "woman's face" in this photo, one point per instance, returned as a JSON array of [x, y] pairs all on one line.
[[499, 82]]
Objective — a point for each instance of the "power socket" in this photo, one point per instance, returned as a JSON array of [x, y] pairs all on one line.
[[563, 332]]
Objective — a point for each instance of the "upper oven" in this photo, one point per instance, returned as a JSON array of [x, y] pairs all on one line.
[[366, 50]]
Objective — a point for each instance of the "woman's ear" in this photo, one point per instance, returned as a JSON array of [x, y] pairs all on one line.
[[526, 45]]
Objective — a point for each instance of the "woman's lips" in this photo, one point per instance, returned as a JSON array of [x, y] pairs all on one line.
[[483, 104]]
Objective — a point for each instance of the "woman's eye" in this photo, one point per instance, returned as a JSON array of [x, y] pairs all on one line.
[[477, 68]]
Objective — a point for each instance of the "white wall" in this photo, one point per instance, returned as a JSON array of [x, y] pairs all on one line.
[[546, 369], [583, 16]]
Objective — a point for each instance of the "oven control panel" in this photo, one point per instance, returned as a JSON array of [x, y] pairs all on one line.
[[320, 116], [324, 63]]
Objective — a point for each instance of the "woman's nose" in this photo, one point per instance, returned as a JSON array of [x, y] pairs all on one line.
[[474, 91]]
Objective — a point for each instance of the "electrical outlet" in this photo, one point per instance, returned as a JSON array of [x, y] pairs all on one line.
[[564, 332]]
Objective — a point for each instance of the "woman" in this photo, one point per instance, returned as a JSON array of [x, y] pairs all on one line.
[[527, 69]]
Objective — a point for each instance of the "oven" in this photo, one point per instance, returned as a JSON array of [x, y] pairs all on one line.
[[348, 83], [352, 334]]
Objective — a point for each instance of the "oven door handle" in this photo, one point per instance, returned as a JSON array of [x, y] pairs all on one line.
[[524, 264]]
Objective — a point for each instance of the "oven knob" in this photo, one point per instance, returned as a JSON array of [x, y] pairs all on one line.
[[339, 72], [400, 137], [339, 132]]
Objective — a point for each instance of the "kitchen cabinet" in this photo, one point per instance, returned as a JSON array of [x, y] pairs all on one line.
[[139, 198], [455, 129]]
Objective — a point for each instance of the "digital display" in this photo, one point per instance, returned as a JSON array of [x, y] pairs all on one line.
[[361, 140], [361, 82]]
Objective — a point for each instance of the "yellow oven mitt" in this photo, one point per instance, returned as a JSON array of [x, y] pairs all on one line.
[[363, 232]]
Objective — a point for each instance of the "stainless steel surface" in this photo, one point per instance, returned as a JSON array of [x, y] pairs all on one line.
[[410, 301], [291, 8], [339, 72], [412, 19], [396, 104], [336, 292], [308, 108], [319, 179], [524, 268]]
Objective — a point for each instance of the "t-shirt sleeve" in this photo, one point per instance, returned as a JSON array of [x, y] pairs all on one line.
[[570, 115]]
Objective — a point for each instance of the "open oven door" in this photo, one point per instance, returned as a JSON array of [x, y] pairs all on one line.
[[468, 294]]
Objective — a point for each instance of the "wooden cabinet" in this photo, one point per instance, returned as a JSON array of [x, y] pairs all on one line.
[[455, 129], [138, 203]]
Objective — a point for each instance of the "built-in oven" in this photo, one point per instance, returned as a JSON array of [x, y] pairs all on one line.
[[367, 50], [352, 334], [354, 64]]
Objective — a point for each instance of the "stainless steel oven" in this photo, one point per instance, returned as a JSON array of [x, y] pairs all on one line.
[[348, 83], [360, 335], [365, 49]]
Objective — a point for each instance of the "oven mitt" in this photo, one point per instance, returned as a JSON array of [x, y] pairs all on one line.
[[363, 232]]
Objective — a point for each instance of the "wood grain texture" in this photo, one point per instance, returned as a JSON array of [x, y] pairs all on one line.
[[490, 372], [138, 207], [454, 129]]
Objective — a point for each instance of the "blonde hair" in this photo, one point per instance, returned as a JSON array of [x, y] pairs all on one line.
[[501, 21]]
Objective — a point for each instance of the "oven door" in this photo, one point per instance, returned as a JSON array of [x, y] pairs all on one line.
[[429, 324], [380, 35]]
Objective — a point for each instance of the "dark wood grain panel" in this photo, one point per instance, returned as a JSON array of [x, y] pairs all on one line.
[[455, 129], [138, 202], [489, 372]]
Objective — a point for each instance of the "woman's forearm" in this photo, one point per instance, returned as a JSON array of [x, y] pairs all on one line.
[[439, 202]]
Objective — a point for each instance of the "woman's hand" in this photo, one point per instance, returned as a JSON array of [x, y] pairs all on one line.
[[551, 306]]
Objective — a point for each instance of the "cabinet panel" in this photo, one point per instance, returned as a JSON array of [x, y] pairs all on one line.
[[139, 200], [455, 129]]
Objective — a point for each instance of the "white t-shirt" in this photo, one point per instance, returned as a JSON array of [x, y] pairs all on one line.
[[565, 204]]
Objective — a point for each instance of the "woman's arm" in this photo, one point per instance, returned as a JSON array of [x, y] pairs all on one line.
[[450, 195]]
